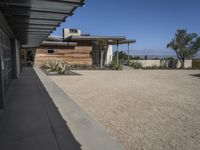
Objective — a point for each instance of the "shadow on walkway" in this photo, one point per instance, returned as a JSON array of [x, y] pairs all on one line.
[[31, 121]]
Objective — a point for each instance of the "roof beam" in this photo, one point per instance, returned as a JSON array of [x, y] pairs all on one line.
[[26, 21], [40, 30], [33, 27], [37, 15], [59, 4], [36, 33], [27, 11]]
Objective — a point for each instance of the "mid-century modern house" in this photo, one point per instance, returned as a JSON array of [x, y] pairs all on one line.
[[76, 48], [30, 118], [24, 24]]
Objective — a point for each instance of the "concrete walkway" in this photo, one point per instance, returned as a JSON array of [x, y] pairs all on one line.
[[31, 120], [85, 129]]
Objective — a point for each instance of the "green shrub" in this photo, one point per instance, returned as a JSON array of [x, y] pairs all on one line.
[[196, 64], [55, 65], [135, 58], [83, 67], [115, 66], [136, 64], [152, 67]]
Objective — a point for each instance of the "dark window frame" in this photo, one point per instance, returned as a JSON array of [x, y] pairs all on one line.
[[50, 51]]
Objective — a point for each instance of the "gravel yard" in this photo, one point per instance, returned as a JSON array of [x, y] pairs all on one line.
[[143, 109]]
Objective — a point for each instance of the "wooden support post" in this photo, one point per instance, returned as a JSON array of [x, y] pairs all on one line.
[[117, 52], [128, 52]]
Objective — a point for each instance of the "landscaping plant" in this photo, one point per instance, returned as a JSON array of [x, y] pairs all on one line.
[[135, 64], [55, 65], [115, 66]]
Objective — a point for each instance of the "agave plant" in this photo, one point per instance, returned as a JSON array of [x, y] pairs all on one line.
[[55, 65]]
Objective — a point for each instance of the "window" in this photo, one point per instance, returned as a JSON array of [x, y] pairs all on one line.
[[73, 31], [50, 51]]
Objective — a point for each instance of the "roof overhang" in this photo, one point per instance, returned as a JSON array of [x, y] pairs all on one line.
[[33, 21], [51, 43], [123, 42], [95, 38]]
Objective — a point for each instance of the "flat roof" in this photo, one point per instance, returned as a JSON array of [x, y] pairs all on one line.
[[51, 43], [33, 21], [85, 38], [128, 41], [54, 38]]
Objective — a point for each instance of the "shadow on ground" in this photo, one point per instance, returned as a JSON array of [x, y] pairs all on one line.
[[31, 121], [67, 73], [196, 75]]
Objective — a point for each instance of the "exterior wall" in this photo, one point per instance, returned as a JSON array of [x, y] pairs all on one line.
[[188, 64], [109, 55], [5, 27], [158, 63], [67, 33], [9, 59], [150, 63], [80, 54]]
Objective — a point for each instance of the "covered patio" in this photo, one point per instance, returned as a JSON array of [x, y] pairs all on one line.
[[110, 41]]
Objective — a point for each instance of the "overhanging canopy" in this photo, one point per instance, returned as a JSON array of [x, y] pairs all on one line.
[[123, 42], [85, 38], [34, 20], [112, 40], [51, 43]]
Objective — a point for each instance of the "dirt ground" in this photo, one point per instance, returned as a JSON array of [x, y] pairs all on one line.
[[143, 109]]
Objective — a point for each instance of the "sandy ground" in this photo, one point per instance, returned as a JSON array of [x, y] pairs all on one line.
[[143, 109]]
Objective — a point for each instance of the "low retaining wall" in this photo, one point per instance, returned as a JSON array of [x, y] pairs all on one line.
[[187, 64], [164, 63], [150, 63]]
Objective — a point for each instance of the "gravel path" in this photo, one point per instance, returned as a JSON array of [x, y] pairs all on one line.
[[143, 109]]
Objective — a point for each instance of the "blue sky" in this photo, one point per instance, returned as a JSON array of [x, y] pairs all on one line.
[[151, 22]]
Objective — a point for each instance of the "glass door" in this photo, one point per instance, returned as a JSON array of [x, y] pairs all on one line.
[[6, 64]]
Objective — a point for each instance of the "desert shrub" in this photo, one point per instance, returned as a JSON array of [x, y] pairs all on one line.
[[163, 64], [172, 63], [115, 66], [196, 64], [135, 58], [55, 65], [83, 67], [136, 64], [152, 67]]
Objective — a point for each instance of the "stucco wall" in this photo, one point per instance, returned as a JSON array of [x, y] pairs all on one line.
[[150, 63], [109, 55], [158, 63], [187, 64]]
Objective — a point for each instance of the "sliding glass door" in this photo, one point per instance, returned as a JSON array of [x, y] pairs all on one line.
[[6, 66]]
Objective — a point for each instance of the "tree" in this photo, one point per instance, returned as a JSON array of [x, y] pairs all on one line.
[[185, 45], [122, 56], [103, 47]]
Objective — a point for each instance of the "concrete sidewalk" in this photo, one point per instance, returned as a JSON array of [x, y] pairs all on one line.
[[31, 120]]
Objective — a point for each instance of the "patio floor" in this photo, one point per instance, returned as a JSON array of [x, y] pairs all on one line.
[[31, 120]]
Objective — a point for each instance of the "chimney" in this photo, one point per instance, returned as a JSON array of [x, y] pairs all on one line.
[[71, 32]]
